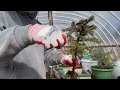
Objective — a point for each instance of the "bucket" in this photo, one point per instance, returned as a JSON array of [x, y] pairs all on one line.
[[86, 64]]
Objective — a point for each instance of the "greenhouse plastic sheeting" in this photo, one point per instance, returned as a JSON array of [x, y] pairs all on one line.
[[107, 22]]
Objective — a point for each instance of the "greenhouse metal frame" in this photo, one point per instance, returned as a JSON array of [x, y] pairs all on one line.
[[107, 22]]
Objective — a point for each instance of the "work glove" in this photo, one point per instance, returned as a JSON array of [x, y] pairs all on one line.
[[67, 60], [49, 36]]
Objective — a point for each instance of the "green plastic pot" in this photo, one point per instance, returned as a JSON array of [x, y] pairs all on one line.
[[102, 73], [63, 70]]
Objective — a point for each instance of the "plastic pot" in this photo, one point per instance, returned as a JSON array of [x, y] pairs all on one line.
[[102, 73], [86, 64]]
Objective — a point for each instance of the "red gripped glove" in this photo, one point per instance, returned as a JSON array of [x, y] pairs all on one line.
[[67, 60], [49, 36], [75, 64]]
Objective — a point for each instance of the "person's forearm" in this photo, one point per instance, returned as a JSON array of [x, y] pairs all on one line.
[[12, 41], [53, 56]]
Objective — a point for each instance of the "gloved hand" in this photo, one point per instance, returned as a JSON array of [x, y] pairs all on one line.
[[67, 60], [49, 36]]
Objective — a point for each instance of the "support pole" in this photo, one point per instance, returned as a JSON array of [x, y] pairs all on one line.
[[50, 18]]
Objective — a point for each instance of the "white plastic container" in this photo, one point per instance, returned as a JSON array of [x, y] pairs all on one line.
[[86, 64], [116, 70]]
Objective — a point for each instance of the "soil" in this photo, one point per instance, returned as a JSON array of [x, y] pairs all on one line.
[[50, 77], [103, 67], [72, 75]]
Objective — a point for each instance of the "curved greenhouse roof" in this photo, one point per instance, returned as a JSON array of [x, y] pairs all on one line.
[[107, 22]]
